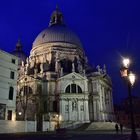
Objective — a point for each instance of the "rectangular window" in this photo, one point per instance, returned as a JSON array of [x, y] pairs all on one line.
[[9, 117], [11, 91], [55, 106], [12, 75], [2, 111], [13, 61]]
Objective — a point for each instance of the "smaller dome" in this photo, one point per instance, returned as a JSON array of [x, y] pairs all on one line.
[[19, 53]]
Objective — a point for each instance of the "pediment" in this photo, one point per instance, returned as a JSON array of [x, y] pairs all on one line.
[[73, 76]]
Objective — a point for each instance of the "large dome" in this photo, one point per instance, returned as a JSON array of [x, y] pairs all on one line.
[[57, 33]]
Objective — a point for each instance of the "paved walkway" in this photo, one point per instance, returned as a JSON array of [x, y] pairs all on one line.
[[69, 135]]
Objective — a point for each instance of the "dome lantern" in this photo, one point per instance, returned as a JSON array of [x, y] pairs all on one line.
[[56, 17], [57, 32]]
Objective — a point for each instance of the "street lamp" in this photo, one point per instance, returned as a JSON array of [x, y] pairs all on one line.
[[130, 78], [19, 113], [59, 118]]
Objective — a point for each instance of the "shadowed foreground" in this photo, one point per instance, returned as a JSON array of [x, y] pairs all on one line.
[[69, 135]]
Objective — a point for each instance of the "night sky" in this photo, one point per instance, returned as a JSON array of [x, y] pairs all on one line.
[[108, 30]]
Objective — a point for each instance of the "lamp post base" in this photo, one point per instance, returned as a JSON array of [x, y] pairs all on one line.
[[133, 135]]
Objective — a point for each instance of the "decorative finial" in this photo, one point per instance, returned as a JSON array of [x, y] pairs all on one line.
[[18, 44], [56, 7], [104, 69]]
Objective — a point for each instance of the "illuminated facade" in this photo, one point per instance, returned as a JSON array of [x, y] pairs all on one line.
[[8, 79], [56, 80]]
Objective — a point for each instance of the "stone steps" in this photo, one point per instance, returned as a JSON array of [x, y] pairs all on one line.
[[101, 126], [84, 126]]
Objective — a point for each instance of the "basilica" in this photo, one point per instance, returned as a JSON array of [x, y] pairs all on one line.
[[57, 84]]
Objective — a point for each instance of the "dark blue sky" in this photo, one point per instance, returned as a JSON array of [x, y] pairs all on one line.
[[107, 29]]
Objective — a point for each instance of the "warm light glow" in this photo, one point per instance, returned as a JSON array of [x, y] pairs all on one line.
[[19, 113], [60, 118], [14, 117], [124, 72], [126, 62], [132, 78]]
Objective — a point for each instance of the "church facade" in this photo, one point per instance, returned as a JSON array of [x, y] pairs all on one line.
[[57, 82]]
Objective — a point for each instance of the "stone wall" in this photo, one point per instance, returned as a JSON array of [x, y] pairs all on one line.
[[23, 126]]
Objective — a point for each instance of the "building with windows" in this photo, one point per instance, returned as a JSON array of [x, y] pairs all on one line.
[[122, 112], [8, 81], [57, 82]]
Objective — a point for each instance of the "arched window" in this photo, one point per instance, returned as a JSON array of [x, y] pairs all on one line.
[[73, 88], [68, 89], [26, 91], [79, 89]]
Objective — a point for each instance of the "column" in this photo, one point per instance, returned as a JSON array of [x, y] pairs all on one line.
[[70, 110], [98, 110], [78, 103], [94, 110], [86, 111], [103, 103], [109, 105]]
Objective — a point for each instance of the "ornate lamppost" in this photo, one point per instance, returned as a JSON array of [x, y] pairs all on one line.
[[130, 78]]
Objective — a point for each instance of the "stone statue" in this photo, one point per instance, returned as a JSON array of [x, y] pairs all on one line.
[[32, 64], [22, 63], [57, 64], [84, 72], [99, 69], [104, 69], [41, 68], [27, 66], [74, 105], [73, 67], [86, 60], [57, 55], [27, 61], [44, 58], [61, 72], [80, 68], [35, 73]]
